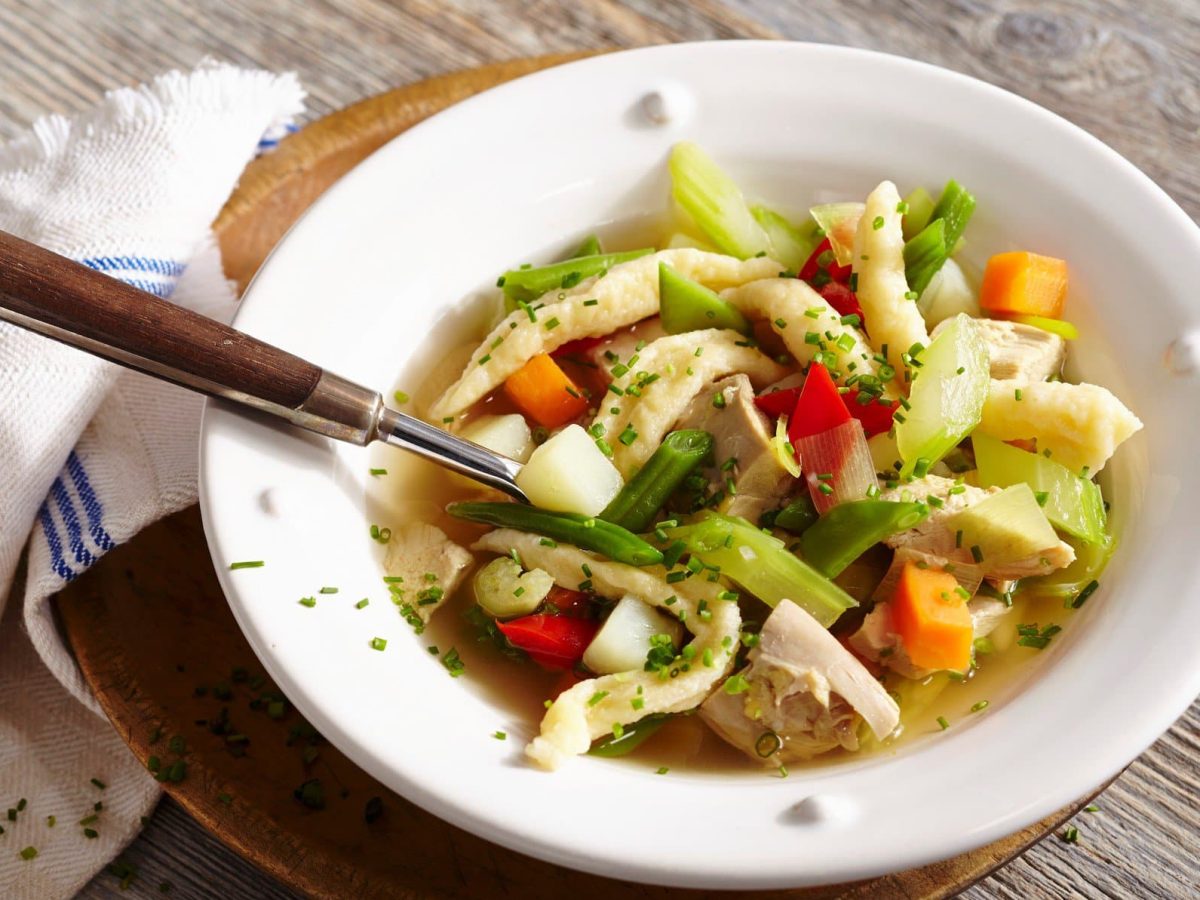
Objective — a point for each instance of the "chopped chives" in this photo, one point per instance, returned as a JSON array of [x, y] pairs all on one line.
[[98, 783], [328, 590], [400, 397], [976, 553], [379, 471], [941, 720], [662, 770], [308, 601], [592, 302], [981, 705], [378, 643], [362, 603], [499, 735], [1082, 597], [29, 853], [247, 564]]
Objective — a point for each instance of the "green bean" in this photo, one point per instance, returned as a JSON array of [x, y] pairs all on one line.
[[632, 737], [797, 516], [640, 500], [589, 247], [848, 530], [526, 285], [586, 532]]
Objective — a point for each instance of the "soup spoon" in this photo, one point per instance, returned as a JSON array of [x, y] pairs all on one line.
[[64, 300]]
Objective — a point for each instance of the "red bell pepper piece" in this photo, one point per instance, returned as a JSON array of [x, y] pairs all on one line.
[[876, 418], [812, 267], [819, 406], [841, 298], [570, 603], [555, 642], [778, 403]]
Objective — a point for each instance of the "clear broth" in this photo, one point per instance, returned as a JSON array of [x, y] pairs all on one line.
[[417, 489]]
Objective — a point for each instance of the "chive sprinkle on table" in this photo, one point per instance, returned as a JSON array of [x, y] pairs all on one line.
[[1125, 70]]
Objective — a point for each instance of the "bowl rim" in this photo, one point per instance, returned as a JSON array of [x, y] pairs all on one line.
[[1094, 769]]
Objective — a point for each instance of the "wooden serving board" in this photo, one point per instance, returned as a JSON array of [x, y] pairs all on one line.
[[160, 648]]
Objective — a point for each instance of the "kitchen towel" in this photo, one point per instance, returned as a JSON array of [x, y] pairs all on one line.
[[91, 453]]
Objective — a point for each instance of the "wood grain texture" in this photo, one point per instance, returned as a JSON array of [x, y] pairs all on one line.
[[1127, 70]]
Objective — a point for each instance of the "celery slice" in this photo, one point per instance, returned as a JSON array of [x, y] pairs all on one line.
[[839, 221], [848, 530], [715, 203], [920, 211], [761, 564], [790, 244], [1063, 329], [1090, 560], [528, 284], [1072, 503], [924, 255], [951, 380], [685, 305], [1004, 527]]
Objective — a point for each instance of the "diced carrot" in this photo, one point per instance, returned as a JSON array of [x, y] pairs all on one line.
[[1024, 284], [932, 619], [542, 391]]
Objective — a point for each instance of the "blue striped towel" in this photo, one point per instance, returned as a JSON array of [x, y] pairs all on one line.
[[90, 453]]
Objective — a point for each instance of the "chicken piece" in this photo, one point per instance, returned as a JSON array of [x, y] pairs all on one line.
[[624, 344], [573, 721], [740, 433], [804, 687], [795, 310], [934, 536], [1019, 352], [627, 294], [671, 371], [893, 320], [1081, 425], [431, 565]]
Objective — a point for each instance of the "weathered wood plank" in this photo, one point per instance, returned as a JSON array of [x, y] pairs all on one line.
[[1127, 70]]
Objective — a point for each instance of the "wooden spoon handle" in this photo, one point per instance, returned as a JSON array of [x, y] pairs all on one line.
[[62, 299]]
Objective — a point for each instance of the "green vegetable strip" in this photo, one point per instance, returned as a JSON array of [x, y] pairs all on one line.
[[529, 284], [954, 207], [715, 203], [791, 245], [919, 212], [924, 255], [797, 516], [589, 247], [586, 532], [685, 305], [635, 507], [631, 738], [1072, 503], [762, 565], [848, 530], [926, 252]]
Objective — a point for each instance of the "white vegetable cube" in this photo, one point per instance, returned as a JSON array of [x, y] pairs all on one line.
[[508, 435], [623, 640], [948, 294], [568, 473]]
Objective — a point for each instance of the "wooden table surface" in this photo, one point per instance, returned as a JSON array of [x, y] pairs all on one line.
[[1126, 70]]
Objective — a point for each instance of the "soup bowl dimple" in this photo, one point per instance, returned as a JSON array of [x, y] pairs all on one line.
[[389, 272]]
